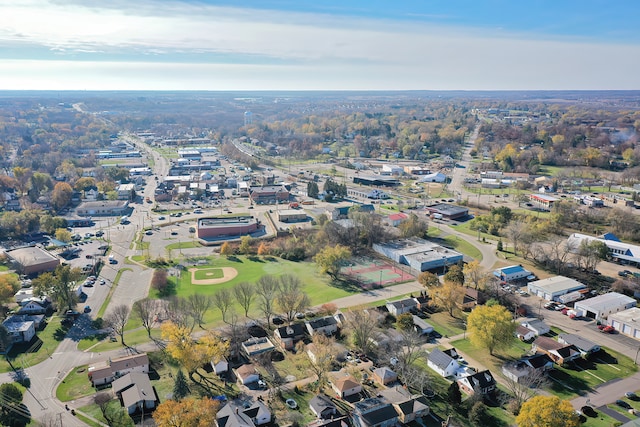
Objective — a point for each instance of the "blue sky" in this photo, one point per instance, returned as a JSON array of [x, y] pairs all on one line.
[[321, 45]]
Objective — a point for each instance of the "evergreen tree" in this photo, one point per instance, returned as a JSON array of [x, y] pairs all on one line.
[[180, 386], [453, 394], [499, 246], [313, 190]]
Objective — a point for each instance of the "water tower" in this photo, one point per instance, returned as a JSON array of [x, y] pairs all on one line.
[[248, 118]]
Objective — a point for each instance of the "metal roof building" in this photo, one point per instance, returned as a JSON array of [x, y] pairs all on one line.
[[553, 287]]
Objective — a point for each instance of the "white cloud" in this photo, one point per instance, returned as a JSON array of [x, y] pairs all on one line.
[[313, 51]]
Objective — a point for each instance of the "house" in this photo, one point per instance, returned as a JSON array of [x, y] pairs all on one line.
[[512, 273], [402, 306], [539, 362], [517, 371], [135, 392], [254, 346], [553, 287], [33, 307], [374, 412], [421, 326], [233, 415], [37, 319], [472, 297], [558, 352], [397, 218], [384, 375], [601, 306], [288, 336], [18, 330], [482, 382], [106, 372], [537, 326], [322, 406], [246, 374], [584, 345], [442, 363], [327, 325], [524, 333], [126, 191], [409, 407], [220, 366], [333, 422], [345, 385]]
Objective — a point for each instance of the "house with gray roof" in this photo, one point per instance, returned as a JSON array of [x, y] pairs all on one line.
[[584, 345], [537, 326], [482, 382], [135, 392], [408, 406], [384, 375], [327, 325], [322, 406], [234, 415], [421, 326], [401, 306], [374, 412], [442, 363]]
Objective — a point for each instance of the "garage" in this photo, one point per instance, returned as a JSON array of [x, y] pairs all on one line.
[[636, 333], [552, 288], [626, 329], [615, 324], [603, 306]]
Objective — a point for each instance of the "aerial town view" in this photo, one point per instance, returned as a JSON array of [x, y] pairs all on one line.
[[278, 214]]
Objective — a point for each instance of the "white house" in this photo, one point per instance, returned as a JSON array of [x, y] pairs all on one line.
[[19, 330], [601, 306], [32, 307], [247, 374], [402, 306], [524, 333], [537, 326], [421, 326], [105, 373], [248, 415], [442, 363], [345, 384]]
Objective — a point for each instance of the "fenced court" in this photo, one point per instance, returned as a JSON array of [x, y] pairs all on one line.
[[371, 271]]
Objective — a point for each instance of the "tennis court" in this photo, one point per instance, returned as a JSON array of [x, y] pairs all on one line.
[[371, 271]]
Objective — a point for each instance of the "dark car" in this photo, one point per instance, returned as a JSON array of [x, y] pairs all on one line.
[[623, 404]]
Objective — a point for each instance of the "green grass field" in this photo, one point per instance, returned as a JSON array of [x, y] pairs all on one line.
[[76, 384], [49, 338], [208, 273]]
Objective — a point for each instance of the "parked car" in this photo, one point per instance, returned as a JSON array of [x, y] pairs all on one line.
[[99, 233], [624, 273], [606, 329], [630, 395], [87, 309], [623, 404]]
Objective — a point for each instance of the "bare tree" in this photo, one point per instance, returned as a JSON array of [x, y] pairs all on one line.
[[235, 333], [559, 250], [417, 378], [514, 232], [324, 353], [117, 320], [102, 400], [291, 299], [407, 351], [198, 306], [362, 326], [244, 292], [266, 289], [526, 386], [146, 310], [223, 301], [179, 312]]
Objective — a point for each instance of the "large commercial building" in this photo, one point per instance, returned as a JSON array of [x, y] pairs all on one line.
[[420, 255], [292, 215], [32, 260], [543, 201], [229, 226], [553, 287], [624, 253], [269, 195], [627, 322], [103, 208], [448, 211], [602, 306], [376, 181]]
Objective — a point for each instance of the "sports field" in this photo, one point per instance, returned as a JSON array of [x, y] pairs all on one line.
[[208, 273], [370, 271]]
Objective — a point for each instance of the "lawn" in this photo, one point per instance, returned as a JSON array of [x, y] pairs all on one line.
[[463, 247], [182, 245], [75, 385], [45, 344], [446, 325], [112, 289]]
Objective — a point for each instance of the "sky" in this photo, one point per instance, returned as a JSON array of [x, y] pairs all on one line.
[[321, 45]]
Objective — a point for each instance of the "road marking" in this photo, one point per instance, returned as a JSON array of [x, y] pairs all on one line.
[[605, 363]]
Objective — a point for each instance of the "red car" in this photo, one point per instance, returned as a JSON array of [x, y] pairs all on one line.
[[606, 328]]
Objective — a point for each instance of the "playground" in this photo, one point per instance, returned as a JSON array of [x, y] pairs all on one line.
[[370, 271]]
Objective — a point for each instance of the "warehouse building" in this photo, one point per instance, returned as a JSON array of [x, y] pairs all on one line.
[[292, 215], [627, 322], [553, 287], [32, 260], [419, 254], [103, 208], [448, 211], [602, 306], [212, 228]]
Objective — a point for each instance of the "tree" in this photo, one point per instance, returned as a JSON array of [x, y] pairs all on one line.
[[475, 275], [13, 412], [525, 387], [413, 226], [226, 249], [223, 299], [198, 305], [9, 285], [117, 319], [245, 245], [324, 351], [263, 249], [189, 352], [245, 293], [454, 274], [160, 282], [331, 258], [312, 190], [61, 195], [491, 327], [547, 411], [180, 386], [190, 412], [361, 325], [291, 299], [267, 288], [59, 286], [63, 235], [590, 253], [146, 310], [112, 412], [428, 279], [454, 396], [478, 414], [448, 296], [404, 322]]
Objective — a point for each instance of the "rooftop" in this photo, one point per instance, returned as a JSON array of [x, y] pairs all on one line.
[[557, 284], [630, 316], [31, 255], [607, 301]]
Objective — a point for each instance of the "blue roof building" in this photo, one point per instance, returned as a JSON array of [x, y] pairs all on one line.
[[511, 273]]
